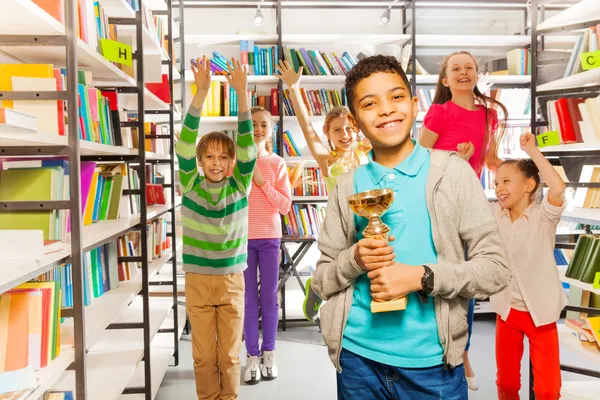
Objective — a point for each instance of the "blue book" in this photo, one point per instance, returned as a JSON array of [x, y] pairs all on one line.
[[256, 61]]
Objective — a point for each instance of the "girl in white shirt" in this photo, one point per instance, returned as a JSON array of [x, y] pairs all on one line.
[[532, 303]]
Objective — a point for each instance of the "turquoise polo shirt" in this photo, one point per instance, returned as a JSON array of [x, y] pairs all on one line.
[[407, 338]]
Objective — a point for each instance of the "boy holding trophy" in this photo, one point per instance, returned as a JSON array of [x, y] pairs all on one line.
[[392, 266]]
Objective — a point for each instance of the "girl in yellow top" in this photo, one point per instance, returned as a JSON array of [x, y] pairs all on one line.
[[346, 150]]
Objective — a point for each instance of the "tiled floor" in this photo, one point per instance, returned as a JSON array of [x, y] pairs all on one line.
[[306, 373]]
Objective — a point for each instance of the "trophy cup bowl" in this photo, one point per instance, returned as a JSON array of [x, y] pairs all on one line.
[[372, 204]]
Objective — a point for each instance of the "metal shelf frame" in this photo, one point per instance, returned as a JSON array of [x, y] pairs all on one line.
[[72, 150]]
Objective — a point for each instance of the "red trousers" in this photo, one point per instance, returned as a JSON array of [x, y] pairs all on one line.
[[544, 352]]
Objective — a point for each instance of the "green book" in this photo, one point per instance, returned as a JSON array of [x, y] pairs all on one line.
[[294, 60], [301, 60], [42, 185], [316, 62], [590, 255], [580, 249], [105, 198], [588, 272], [95, 279], [115, 197]]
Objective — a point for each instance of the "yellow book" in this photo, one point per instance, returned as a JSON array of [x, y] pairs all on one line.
[[594, 323], [304, 222], [4, 314], [89, 204], [7, 71], [216, 95]]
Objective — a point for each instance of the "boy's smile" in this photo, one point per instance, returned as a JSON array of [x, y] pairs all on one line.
[[384, 109]]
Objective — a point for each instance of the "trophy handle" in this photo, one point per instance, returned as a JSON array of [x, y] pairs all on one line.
[[376, 229]]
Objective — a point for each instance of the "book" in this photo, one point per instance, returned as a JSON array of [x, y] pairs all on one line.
[[45, 111], [10, 118]]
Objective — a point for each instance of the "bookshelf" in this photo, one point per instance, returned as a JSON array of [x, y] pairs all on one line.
[[571, 157], [102, 343], [285, 32]]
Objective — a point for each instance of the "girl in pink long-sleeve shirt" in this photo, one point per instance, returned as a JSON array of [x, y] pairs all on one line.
[[270, 197]]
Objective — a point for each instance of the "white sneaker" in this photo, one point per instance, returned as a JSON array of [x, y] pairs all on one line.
[[268, 367], [252, 373]]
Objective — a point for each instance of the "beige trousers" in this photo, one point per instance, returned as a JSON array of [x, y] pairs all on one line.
[[215, 307]]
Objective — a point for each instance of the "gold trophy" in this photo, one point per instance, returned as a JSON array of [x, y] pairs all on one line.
[[372, 204]]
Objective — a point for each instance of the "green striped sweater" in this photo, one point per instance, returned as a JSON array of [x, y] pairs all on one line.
[[215, 215]]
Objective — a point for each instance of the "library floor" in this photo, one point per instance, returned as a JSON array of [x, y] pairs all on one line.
[[306, 373]]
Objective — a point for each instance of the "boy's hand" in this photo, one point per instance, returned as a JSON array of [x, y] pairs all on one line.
[[237, 76], [372, 254], [465, 150], [528, 143], [202, 75], [287, 74], [257, 177], [394, 281]]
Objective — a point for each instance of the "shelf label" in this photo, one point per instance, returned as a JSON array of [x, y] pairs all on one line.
[[590, 60], [597, 281], [548, 139], [116, 52]]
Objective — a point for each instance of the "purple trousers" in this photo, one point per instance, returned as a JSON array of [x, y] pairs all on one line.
[[263, 256]]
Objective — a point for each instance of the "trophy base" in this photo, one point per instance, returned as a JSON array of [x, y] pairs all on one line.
[[391, 305]]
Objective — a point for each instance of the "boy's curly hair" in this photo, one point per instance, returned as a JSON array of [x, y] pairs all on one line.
[[368, 66]]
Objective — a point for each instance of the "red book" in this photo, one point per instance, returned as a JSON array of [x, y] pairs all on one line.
[[567, 132], [576, 117], [113, 99], [161, 90], [274, 101], [60, 104]]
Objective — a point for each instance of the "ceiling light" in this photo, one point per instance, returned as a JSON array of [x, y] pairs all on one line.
[[385, 17], [259, 19]]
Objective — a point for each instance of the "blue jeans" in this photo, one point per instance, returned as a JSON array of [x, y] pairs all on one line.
[[362, 378], [470, 318]]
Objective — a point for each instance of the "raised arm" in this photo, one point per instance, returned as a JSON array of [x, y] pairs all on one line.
[[555, 183], [316, 147], [186, 145], [245, 147]]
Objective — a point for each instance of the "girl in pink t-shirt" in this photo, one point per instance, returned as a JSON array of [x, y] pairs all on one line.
[[465, 120], [462, 118]]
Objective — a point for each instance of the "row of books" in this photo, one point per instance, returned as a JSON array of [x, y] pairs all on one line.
[[259, 60], [30, 325], [311, 183], [222, 100], [101, 185], [290, 145], [587, 41], [46, 180], [317, 102], [304, 219], [315, 62], [30, 313], [577, 119]]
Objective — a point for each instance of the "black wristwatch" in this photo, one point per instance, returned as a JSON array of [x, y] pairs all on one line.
[[427, 283]]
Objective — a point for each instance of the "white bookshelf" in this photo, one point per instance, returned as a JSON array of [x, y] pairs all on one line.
[[582, 12], [567, 337], [161, 355], [587, 216], [586, 78], [574, 282], [586, 146], [15, 272], [467, 41], [580, 390]]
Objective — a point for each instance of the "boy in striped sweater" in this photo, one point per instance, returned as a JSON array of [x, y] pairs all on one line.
[[215, 235]]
